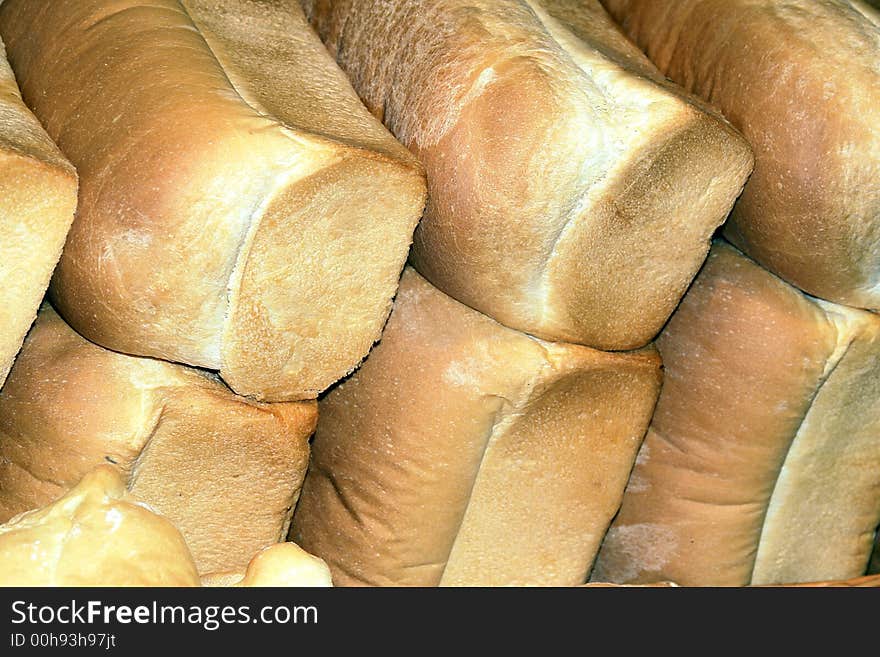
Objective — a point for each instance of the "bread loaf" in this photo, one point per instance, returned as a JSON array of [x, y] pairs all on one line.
[[37, 202], [98, 534], [95, 535], [572, 191], [762, 462], [282, 564], [465, 453], [225, 470], [801, 79], [239, 210]]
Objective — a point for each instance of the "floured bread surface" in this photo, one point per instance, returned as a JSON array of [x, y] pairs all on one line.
[[465, 453], [240, 210], [37, 203], [225, 470], [572, 191], [801, 79], [762, 462], [97, 534]]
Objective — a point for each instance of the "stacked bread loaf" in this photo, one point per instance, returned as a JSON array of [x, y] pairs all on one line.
[[227, 217], [187, 445], [95, 534], [586, 374], [572, 194], [239, 210], [37, 201], [464, 452], [800, 78], [762, 463], [98, 534]]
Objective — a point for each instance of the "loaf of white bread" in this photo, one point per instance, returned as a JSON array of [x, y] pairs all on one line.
[[572, 190], [37, 203], [239, 209], [98, 534], [281, 564], [463, 452], [801, 79], [762, 462], [225, 470]]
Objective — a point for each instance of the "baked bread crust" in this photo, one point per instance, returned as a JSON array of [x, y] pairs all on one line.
[[801, 80], [187, 446], [282, 564], [572, 191], [96, 534], [37, 203], [760, 465], [466, 453], [282, 278]]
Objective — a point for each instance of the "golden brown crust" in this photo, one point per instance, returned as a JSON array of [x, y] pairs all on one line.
[[427, 458], [759, 465], [801, 79], [37, 202], [95, 535], [573, 439], [825, 507], [175, 253], [189, 447], [256, 42], [555, 159]]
